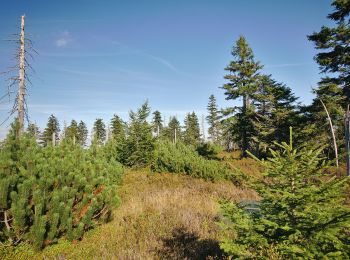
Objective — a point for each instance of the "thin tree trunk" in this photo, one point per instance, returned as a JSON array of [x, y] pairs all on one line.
[[333, 134]]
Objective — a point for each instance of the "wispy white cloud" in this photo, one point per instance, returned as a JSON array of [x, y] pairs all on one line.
[[63, 39]]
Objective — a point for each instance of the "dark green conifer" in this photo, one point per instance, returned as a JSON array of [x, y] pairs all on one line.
[[140, 142], [157, 123], [213, 120], [301, 213], [52, 129], [173, 130], [243, 80], [82, 133], [333, 43], [99, 131], [191, 134]]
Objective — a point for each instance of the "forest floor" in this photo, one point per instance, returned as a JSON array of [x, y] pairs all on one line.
[[161, 216]]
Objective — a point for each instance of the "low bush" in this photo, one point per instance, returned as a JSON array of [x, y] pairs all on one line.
[[209, 151], [180, 158], [50, 192]]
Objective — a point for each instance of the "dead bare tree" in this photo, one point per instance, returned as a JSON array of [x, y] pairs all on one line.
[[22, 56], [333, 134]]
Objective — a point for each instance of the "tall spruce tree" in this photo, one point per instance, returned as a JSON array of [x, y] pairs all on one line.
[[243, 80], [191, 133], [333, 43], [157, 123], [52, 130], [99, 131], [82, 133], [213, 119]]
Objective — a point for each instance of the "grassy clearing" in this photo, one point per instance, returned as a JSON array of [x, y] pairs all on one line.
[[162, 216]]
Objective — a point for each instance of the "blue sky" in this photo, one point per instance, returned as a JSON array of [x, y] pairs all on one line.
[[97, 58]]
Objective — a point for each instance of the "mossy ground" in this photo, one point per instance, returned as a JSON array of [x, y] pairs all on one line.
[[162, 216]]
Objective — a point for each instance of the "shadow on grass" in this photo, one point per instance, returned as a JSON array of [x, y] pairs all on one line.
[[186, 245]]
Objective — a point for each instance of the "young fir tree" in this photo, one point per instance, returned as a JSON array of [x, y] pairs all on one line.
[[333, 43], [99, 131], [213, 120], [173, 130], [140, 143], [191, 133], [82, 133], [52, 130], [243, 80], [33, 130], [157, 123], [301, 214]]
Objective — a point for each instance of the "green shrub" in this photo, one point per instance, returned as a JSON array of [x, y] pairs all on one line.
[[180, 158], [301, 215], [209, 150], [49, 192]]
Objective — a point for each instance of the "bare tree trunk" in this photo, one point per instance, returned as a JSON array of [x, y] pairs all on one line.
[[175, 135], [347, 140], [333, 134], [21, 89]]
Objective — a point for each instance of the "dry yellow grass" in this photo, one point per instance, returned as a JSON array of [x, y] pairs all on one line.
[[162, 216]]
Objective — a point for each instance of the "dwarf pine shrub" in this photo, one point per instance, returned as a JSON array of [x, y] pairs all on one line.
[[301, 214], [180, 158], [50, 192]]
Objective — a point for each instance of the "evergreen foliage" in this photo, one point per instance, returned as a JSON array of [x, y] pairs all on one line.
[[275, 112], [52, 129], [33, 130], [99, 131], [117, 144], [54, 191], [243, 83], [213, 120], [157, 123], [173, 129], [82, 133], [334, 46], [301, 214], [191, 134], [209, 150], [314, 125], [71, 133], [181, 158], [140, 142]]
